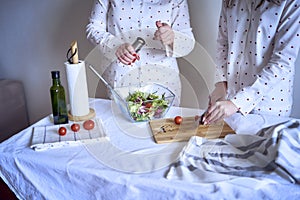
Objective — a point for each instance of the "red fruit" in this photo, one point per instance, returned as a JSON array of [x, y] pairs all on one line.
[[178, 120], [89, 124], [148, 105], [75, 127], [62, 131]]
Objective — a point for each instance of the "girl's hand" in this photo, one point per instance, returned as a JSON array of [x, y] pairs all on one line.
[[164, 33], [219, 93], [126, 54]]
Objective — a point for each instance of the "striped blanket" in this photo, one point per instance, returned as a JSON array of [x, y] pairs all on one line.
[[273, 152]]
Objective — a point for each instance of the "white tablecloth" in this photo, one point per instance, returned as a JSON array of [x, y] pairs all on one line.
[[127, 165]]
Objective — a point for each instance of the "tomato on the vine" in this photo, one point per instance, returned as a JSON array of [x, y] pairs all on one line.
[[62, 131], [75, 127], [178, 120], [89, 124]]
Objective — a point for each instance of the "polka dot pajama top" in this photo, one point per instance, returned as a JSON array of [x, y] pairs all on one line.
[[114, 22], [258, 43]]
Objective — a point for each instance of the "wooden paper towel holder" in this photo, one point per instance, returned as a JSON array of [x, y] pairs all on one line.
[[91, 115]]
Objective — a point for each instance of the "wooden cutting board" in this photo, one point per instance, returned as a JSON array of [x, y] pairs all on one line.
[[165, 130]]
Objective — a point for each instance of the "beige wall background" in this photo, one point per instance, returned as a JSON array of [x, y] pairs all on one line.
[[35, 36]]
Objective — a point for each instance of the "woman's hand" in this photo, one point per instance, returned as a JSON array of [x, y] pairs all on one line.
[[218, 106], [219, 93], [164, 33], [126, 54], [219, 110]]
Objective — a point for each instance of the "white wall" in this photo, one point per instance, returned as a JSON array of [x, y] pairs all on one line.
[[35, 36], [198, 67]]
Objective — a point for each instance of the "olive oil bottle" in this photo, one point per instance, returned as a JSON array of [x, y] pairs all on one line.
[[58, 100]]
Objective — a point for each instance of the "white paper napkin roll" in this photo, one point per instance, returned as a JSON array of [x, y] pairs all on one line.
[[77, 87]]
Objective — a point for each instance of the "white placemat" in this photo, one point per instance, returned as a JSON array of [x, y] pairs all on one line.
[[47, 137]]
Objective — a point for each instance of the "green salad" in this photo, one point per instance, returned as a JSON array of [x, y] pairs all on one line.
[[145, 106]]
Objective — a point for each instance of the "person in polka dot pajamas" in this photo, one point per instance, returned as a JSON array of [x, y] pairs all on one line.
[[258, 43], [165, 26]]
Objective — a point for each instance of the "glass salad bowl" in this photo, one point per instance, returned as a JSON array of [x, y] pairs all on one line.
[[142, 103]]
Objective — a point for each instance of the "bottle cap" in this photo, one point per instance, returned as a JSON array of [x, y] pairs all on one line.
[[55, 74], [138, 44]]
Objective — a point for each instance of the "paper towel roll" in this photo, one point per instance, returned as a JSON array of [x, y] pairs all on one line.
[[77, 87]]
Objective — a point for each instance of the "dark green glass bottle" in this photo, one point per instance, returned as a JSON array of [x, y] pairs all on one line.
[[58, 100]]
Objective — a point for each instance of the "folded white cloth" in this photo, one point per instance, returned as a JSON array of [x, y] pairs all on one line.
[[273, 152]]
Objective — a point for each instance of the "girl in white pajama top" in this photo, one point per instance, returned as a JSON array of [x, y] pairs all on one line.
[[258, 43], [115, 24]]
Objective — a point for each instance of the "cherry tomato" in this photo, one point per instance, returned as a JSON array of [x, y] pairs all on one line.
[[148, 105], [178, 120], [89, 124], [75, 127], [62, 131]]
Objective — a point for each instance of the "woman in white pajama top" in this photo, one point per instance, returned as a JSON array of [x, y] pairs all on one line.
[[258, 43], [115, 24]]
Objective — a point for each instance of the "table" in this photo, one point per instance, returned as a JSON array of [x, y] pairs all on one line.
[[128, 164]]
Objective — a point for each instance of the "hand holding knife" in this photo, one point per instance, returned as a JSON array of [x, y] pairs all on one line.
[[218, 111], [201, 119]]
